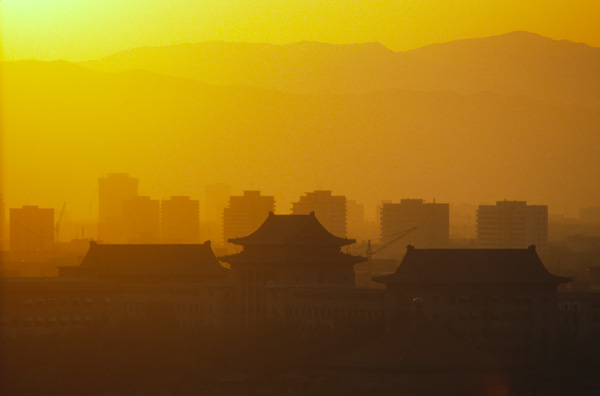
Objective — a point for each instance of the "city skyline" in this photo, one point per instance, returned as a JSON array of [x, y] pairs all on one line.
[[272, 197], [206, 222]]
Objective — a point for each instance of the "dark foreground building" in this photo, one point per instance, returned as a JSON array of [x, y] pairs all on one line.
[[502, 300], [288, 301], [292, 272], [420, 351], [117, 286]]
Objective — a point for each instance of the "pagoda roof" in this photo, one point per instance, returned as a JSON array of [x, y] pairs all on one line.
[[417, 343], [151, 261], [471, 266], [299, 230]]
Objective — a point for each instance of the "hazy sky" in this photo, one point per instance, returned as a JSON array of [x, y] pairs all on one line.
[[87, 29], [77, 30]]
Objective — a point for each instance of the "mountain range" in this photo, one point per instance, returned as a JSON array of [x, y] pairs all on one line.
[[517, 63]]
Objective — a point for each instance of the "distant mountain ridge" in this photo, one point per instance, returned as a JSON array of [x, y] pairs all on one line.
[[517, 63]]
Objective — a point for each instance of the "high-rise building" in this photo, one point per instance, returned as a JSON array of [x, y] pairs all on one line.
[[432, 222], [246, 213], [512, 224], [329, 209], [462, 225], [180, 220], [113, 190], [141, 220], [31, 228]]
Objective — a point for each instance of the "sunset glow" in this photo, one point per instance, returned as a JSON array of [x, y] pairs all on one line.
[[301, 197], [79, 30]]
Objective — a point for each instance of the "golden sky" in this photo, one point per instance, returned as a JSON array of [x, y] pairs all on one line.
[[87, 29], [191, 138]]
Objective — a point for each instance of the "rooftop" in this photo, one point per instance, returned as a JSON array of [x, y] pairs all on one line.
[[471, 266], [151, 261], [297, 230]]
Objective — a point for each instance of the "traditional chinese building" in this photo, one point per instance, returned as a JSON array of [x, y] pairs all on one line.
[[503, 300], [162, 263], [420, 350], [118, 287], [287, 259]]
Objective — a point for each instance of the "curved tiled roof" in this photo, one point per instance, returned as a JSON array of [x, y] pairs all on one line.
[[470, 266], [168, 261], [300, 230]]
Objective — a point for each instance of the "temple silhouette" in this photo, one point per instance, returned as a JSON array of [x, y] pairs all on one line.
[[292, 273]]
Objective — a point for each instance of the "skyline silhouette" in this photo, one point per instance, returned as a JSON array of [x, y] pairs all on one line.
[[311, 198]]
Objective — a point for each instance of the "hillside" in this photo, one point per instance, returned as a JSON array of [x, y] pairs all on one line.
[[517, 63]]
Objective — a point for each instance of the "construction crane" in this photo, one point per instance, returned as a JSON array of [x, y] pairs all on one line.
[[370, 252], [59, 222]]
